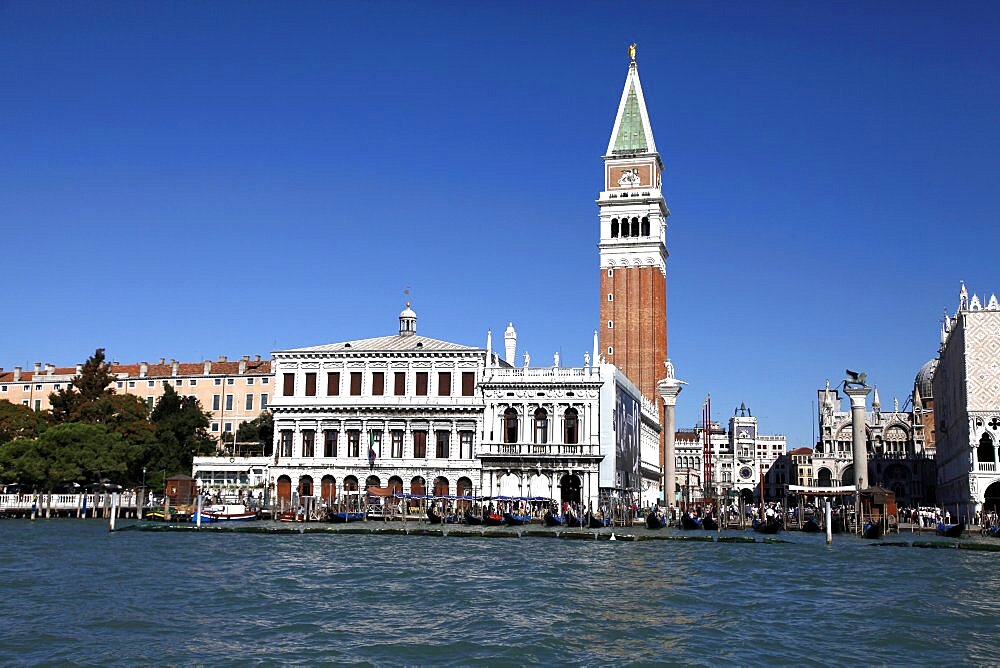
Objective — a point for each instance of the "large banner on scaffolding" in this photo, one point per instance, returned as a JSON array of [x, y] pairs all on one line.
[[627, 430]]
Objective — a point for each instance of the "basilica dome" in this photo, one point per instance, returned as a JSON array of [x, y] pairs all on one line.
[[924, 382]]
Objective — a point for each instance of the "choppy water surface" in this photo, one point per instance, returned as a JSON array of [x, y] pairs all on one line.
[[73, 593]]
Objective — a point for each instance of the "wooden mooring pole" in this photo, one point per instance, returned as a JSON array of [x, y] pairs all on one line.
[[829, 524]]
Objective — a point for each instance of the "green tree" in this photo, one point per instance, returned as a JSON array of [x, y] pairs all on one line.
[[181, 434], [259, 430], [92, 384], [80, 453], [20, 422]]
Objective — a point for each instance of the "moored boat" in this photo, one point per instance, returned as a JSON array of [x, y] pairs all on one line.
[[492, 520], [513, 520], [950, 530], [436, 518], [811, 526], [689, 522], [709, 524], [573, 520], [872, 530], [595, 522], [771, 526], [344, 517], [552, 520], [473, 519], [225, 513], [655, 520], [993, 532]]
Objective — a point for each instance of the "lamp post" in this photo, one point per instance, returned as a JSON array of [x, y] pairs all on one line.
[[142, 494]]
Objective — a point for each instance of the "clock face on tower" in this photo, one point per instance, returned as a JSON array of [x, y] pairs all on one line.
[[746, 472]]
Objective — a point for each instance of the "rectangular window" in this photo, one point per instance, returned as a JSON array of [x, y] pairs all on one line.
[[333, 384], [218, 381], [216, 402], [421, 384], [441, 449], [215, 426], [311, 384], [466, 444], [229, 402], [249, 403], [38, 404], [192, 382], [229, 426], [353, 443], [397, 444], [308, 443], [375, 441], [150, 383], [289, 388], [263, 402], [419, 444], [355, 383], [378, 383], [468, 383], [264, 381], [149, 402], [230, 381], [121, 386], [249, 381], [399, 383], [285, 449], [329, 443], [131, 383], [444, 384]]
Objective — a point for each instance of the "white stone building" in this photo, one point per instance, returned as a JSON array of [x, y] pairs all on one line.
[[967, 407]]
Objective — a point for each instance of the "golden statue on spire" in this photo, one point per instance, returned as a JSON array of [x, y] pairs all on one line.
[[631, 52]]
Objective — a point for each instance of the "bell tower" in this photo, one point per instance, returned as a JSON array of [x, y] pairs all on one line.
[[633, 251]]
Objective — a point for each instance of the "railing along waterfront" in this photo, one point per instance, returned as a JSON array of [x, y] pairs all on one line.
[[45, 503]]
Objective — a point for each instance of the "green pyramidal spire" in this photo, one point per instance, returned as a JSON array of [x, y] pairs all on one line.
[[631, 134]]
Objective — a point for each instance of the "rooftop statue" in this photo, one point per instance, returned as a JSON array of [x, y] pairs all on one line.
[[855, 379], [631, 51]]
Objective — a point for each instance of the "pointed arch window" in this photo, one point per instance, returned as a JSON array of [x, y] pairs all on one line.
[[571, 427], [985, 451], [541, 426], [510, 426]]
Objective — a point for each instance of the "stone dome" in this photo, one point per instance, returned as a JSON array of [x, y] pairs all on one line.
[[407, 312], [924, 382]]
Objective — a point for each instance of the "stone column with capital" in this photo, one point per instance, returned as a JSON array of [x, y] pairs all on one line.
[[669, 388], [858, 395]]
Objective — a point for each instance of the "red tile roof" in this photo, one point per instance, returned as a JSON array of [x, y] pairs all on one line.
[[228, 368]]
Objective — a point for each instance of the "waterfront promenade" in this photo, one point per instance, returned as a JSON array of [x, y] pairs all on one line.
[[68, 505]]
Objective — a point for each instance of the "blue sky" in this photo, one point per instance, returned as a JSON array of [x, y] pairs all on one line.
[[188, 180]]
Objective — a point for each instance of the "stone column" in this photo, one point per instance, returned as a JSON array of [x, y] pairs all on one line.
[[669, 388], [858, 395]]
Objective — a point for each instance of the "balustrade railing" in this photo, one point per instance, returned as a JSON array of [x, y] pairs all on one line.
[[987, 467], [539, 449]]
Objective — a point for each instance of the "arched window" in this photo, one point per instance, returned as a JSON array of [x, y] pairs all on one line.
[[440, 486], [614, 227], [571, 427], [510, 426], [635, 227], [541, 426], [418, 486], [984, 453], [645, 226]]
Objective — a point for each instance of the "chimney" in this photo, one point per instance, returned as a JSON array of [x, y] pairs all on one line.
[[50, 369], [208, 367], [17, 373], [38, 367], [143, 368], [223, 358], [175, 368], [243, 364], [163, 360], [79, 369], [256, 358]]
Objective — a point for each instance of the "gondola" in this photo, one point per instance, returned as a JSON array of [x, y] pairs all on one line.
[[656, 520], [950, 530], [709, 524], [553, 520], [473, 519], [492, 520], [872, 530], [837, 524], [435, 518], [342, 517], [597, 522], [993, 532], [811, 526], [771, 526], [512, 520], [689, 522], [573, 520]]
